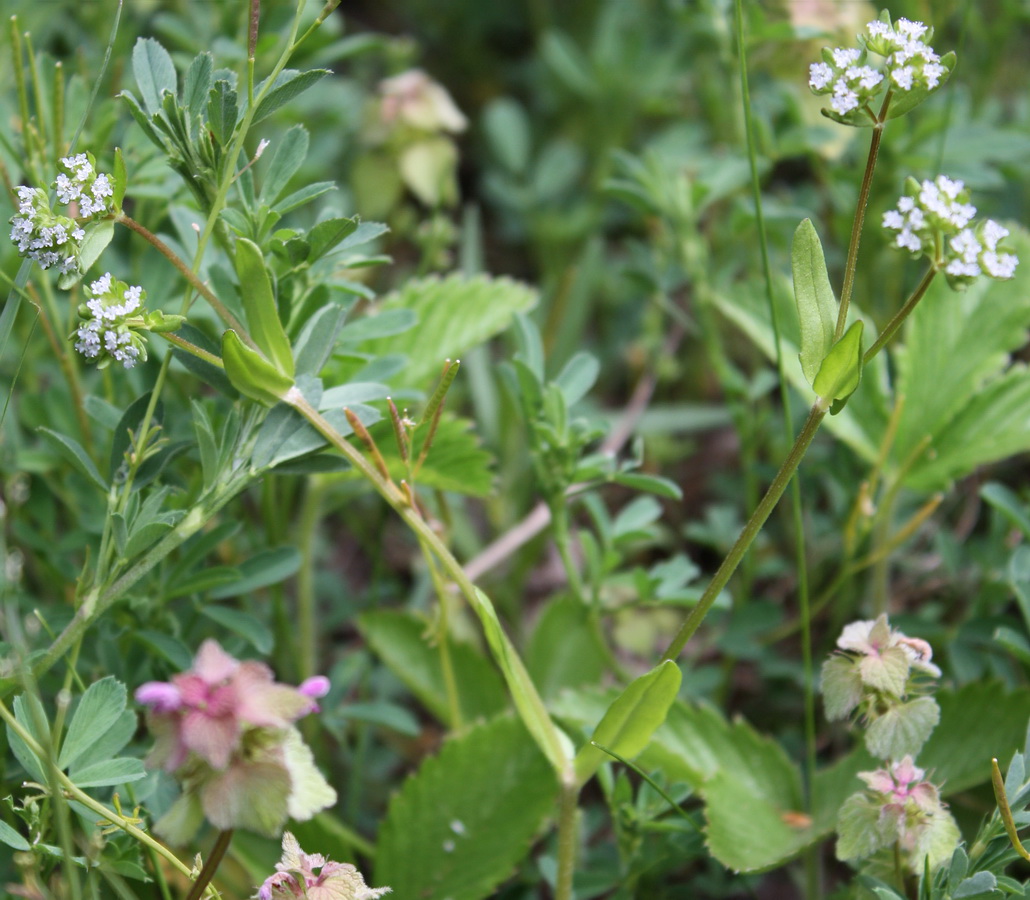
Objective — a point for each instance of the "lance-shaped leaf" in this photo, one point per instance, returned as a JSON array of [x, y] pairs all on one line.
[[250, 373], [259, 305], [817, 307], [630, 721], [841, 370]]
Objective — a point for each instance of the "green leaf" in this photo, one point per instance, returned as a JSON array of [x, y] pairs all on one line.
[[260, 307], [531, 709], [456, 462], [859, 831], [459, 825], [389, 715], [400, 639], [110, 743], [630, 721], [565, 650], [248, 627], [328, 234], [250, 373], [28, 719], [221, 111], [653, 484], [11, 838], [100, 707], [109, 772], [454, 314], [1008, 504], [154, 71], [506, 127], [841, 370], [98, 236], [817, 307], [578, 377], [263, 569], [289, 156], [903, 729], [288, 84], [317, 339], [198, 84], [120, 179], [73, 452]]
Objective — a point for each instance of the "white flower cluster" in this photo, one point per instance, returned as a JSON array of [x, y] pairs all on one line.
[[113, 309], [941, 209], [909, 63], [38, 234], [51, 239], [80, 183], [910, 60]]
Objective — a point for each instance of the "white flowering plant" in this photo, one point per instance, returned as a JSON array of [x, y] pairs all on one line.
[[893, 61]]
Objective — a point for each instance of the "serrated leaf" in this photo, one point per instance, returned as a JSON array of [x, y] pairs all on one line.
[[111, 742], [326, 235], [858, 831], [454, 314], [73, 452], [816, 305], [630, 721], [198, 84], [222, 111], [841, 369], [457, 460], [288, 84], [109, 772], [565, 650], [400, 640], [841, 686], [98, 710], [154, 71], [460, 824], [260, 307], [903, 729]]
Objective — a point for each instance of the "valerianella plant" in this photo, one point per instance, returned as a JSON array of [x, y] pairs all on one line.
[[295, 876], [935, 219], [892, 60], [52, 239], [225, 730]]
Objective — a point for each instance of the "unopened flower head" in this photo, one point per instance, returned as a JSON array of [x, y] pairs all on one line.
[[113, 323], [296, 876], [40, 234], [907, 64], [225, 729], [80, 184], [935, 219]]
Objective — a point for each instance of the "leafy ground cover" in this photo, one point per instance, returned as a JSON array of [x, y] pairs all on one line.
[[467, 451]]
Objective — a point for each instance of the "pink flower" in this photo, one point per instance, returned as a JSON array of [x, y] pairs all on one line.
[[206, 710], [875, 639], [295, 876]]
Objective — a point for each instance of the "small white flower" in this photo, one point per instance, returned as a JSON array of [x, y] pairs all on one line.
[[844, 99], [845, 56], [992, 233], [999, 265], [902, 77], [914, 30], [820, 75]]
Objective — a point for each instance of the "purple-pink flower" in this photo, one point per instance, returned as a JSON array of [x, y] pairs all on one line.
[[206, 710], [295, 876]]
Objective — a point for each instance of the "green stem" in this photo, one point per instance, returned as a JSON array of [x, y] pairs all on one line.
[[563, 541], [751, 529], [75, 792], [899, 317], [856, 228], [211, 864], [310, 515], [446, 663], [190, 275], [97, 603], [192, 349], [568, 809]]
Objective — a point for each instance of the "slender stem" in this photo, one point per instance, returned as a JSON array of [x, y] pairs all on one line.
[[563, 541], [307, 637], [74, 791], [899, 317], [450, 682], [856, 228], [192, 349], [211, 864], [751, 529], [567, 814], [223, 312]]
